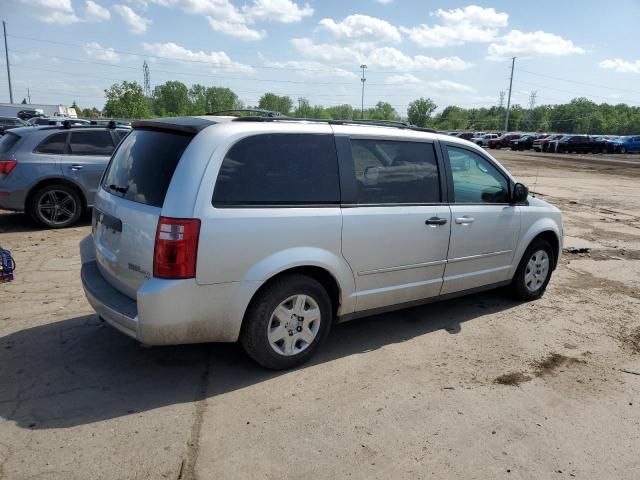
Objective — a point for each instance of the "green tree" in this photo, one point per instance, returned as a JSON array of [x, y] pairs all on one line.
[[420, 110], [211, 99], [341, 112], [126, 100], [171, 98], [276, 103], [382, 111]]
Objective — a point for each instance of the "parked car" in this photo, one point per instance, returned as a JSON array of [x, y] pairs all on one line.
[[465, 135], [7, 123], [503, 140], [483, 140], [268, 230], [28, 113], [578, 144], [522, 143], [57, 121], [624, 145], [541, 143], [53, 172]]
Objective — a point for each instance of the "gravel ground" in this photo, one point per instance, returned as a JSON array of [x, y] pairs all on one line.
[[480, 387]]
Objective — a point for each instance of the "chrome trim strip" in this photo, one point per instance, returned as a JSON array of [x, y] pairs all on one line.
[[401, 267], [481, 255]]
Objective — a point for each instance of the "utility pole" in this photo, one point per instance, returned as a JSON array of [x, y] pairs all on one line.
[[506, 117], [6, 53], [28, 94], [147, 83], [363, 79]]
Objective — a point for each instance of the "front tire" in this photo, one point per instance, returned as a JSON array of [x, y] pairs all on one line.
[[55, 206], [534, 271], [287, 322]]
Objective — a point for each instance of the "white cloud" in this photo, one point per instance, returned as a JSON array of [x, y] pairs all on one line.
[[447, 86], [402, 79], [233, 29], [97, 51], [362, 28], [225, 17], [384, 2], [385, 57], [620, 65], [473, 15], [529, 44], [95, 12], [214, 59], [136, 23], [58, 12], [310, 68], [282, 11], [324, 52], [458, 26], [388, 57]]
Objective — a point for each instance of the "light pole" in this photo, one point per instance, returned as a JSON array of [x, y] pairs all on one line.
[[6, 52], [363, 79]]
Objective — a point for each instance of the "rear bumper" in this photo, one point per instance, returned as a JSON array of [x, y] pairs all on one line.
[[168, 312], [117, 309]]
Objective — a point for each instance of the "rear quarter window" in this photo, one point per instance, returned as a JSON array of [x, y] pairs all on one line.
[[279, 169], [8, 141], [54, 144], [143, 165]]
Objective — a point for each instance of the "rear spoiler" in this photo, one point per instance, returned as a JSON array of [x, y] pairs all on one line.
[[188, 125]]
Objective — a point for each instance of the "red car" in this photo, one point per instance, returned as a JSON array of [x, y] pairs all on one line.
[[504, 140]]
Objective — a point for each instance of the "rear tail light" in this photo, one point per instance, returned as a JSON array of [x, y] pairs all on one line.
[[176, 248], [6, 166]]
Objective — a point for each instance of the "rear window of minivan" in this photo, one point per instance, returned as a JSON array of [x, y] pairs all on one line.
[[143, 165]]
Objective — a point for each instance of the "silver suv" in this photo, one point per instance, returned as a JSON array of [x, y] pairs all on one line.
[[53, 172], [267, 230]]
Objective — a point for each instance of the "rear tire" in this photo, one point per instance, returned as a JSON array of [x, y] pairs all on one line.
[[534, 271], [287, 322], [55, 206]]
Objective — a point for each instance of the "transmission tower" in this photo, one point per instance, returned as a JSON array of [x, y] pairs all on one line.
[[147, 83], [501, 99]]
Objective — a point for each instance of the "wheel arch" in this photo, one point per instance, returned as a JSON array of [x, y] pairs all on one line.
[[323, 276], [56, 181], [548, 228]]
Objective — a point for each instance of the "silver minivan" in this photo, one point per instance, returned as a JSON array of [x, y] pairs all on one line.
[[267, 230]]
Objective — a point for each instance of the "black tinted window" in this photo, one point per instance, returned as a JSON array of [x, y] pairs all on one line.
[[279, 169], [97, 142], [143, 165], [395, 172], [54, 144]]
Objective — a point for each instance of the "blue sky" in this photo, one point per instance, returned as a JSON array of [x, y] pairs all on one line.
[[454, 52]]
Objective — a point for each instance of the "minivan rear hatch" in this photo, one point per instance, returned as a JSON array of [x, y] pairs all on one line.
[[129, 202]]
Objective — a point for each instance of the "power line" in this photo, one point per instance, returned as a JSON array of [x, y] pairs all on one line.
[[578, 82], [148, 55]]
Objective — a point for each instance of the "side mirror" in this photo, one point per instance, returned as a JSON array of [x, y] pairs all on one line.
[[519, 194]]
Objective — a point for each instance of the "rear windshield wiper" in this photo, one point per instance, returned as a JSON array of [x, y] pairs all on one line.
[[118, 189]]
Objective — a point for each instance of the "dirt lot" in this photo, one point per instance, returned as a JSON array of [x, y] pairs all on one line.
[[481, 387]]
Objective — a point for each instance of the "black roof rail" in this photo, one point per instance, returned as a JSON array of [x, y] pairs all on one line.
[[264, 112], [375, 123], [112, 124]]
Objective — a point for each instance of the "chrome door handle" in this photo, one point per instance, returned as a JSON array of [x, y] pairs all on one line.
[[75, 168], [464, 220]]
